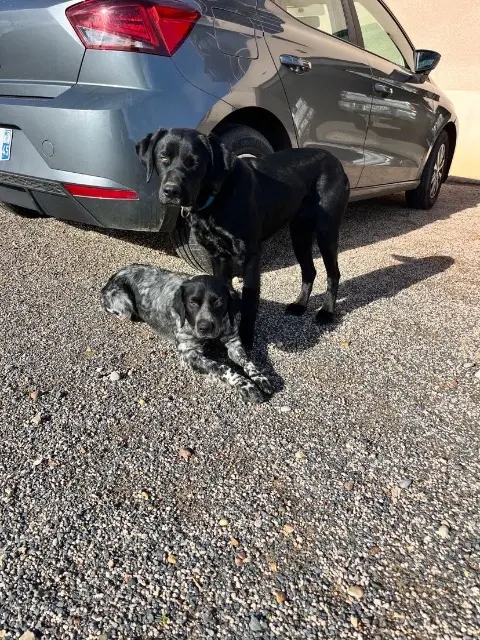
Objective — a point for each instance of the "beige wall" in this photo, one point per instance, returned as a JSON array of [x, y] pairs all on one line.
[[452, 27]]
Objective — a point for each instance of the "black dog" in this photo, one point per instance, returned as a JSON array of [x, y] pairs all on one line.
[[192, 312], [234, 204]]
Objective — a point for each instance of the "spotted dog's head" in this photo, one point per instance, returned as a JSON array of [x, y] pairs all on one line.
[[206, 303], [191, 166]]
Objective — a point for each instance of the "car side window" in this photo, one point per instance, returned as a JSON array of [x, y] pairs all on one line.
[[323, 15], [381, 34]]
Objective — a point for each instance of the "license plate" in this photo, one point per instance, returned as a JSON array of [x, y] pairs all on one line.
[[6, 142]]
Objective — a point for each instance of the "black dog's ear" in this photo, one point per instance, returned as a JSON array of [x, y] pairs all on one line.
[[234, 303], [146, 147], [222, 160], [178, 305]]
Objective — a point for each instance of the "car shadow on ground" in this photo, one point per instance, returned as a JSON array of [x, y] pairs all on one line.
[[149, 239], [376, 220], [292, 334], [365, 223]]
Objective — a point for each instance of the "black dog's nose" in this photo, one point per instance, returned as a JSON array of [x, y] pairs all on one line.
[[204, 326], [171, 190]]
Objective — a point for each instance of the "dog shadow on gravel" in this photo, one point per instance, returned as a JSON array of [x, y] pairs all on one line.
[[293, 334]]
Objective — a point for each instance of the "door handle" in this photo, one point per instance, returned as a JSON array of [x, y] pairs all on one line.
[[297, 65], [383, 89]]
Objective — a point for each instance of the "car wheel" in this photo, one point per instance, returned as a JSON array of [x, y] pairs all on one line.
[[244, 142], [434, 174]]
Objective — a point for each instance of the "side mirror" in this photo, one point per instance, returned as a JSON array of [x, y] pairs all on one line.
[[426, 61]]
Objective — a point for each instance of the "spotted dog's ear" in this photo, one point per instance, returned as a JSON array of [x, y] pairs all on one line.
[[233, 307], [222, 160], [179, 305], [146, 147]]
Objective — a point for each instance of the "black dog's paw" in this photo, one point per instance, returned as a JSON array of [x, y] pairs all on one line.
[[264, 384], [248, 346], [247, 340], [251, 393], [295, 309], [324, 317]]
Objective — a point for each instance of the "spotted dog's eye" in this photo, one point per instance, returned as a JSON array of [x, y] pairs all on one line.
[[164, 160], [218, 303], [194, 303]]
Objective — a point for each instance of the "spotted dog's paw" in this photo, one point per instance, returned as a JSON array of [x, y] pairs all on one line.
[[251, 393], [264, 384]]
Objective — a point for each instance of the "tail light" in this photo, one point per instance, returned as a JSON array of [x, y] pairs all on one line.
[[103, 193], [129, 25]]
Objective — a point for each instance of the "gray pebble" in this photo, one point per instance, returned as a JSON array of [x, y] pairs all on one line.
[[255, 624]]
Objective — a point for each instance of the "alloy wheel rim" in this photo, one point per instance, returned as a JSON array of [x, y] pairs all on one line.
[[437, 174]]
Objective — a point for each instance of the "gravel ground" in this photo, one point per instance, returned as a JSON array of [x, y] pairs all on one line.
[[347, 507]]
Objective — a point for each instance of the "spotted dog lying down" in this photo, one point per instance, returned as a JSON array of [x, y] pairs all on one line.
[[192, 311]]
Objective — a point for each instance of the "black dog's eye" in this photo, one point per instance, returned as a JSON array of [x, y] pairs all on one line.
[[164, 160], [218, 303], [189, 161]]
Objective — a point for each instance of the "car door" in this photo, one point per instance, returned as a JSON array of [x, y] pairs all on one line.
[[403, 109], [327, 80]]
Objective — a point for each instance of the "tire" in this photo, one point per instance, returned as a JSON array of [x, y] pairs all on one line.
[[187, 247], [243, 141], [434, 174]]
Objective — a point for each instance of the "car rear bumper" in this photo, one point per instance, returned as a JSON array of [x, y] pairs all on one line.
[[87, 136], [52, 199]]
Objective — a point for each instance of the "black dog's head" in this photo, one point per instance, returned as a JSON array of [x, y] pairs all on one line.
[[191, 166], [205, 302]]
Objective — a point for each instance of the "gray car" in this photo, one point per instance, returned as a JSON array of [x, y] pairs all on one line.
[[81, 83]]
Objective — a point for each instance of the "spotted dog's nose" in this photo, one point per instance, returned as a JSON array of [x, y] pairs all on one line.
[[204, 326]]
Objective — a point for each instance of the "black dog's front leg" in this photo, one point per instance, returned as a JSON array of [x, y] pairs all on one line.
[[250, 299], [200, 363], [223, 268], [237, 354]]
